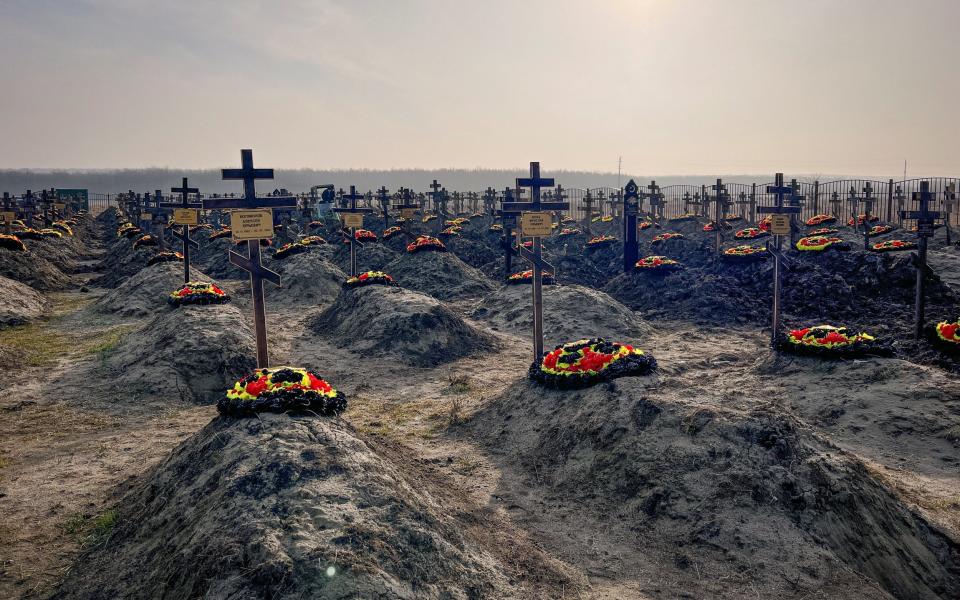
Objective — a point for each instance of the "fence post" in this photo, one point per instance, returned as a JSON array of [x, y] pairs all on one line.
[[816, 197]]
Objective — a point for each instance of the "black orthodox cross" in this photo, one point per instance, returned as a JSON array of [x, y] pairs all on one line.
[[535, 183], [779, 190], [796, 201], [743, 202], [631, 209], [353, 210], [835, 203], [925, 219], [251, 263], [184, 236], [867, 202]]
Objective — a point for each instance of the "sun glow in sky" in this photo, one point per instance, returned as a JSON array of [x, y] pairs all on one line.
[[674, 86]]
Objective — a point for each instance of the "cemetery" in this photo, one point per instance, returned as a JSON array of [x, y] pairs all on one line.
[[643, 382], [291, 309]]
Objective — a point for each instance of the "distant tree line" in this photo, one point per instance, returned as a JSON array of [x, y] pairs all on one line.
[[297, 180]]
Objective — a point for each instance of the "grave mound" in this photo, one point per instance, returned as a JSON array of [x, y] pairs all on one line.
[[571, 312], [376, 320], [439, 274], [122, 262], [192, 353], [474, 253], [692, 483], [146, 292], [284, 507], [373, 256], [33, 270], [213, 258], [19, 303], [308, 278]]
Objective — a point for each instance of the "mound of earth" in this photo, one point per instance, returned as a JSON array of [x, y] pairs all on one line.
[[305, 279], [146, 291], [677, 484], [213, 258], [375, 320], [697, 295], [33, 270], [193, 353], [19, 303], [285, 508], [570, 312], [474, 253], [371, 257], [852, 287], [439, 274], [121, 261]]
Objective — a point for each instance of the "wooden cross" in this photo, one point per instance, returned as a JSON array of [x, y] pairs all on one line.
[[696, 202], [156, 213], [251, 263], [435, 194], [925, 219], [722, 200], [949, 203], [742, 201], [184, 236], [352, 197], [46, 201], [600, 201], [383, 197], [835, 205], [29, 206], [656, 200], [508, 219], [779, 190], [796, 201], [489, 200], [900, 198], [854, 201], [7, 204], [588, 202], [535, 183], [631, 209], [457, 203]]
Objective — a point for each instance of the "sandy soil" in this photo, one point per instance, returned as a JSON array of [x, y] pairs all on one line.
[[731, 473]]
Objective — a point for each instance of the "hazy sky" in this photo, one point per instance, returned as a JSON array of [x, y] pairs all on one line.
[[674, 86]]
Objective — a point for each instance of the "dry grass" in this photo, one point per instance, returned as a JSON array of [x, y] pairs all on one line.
[[41, 344]]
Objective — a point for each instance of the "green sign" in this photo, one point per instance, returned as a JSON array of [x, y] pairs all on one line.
[[77, 195]]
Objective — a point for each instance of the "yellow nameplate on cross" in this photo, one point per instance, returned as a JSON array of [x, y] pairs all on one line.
[[780, 224], [251, 224], [186, 216], [536, 224], [352, 219], [7, 217]]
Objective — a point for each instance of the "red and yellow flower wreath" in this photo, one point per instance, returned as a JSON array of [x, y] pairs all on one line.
[[750, 233], [527, 277], [820, 220], [827, 340], [426, 243], [893, 245], [819, 243], [282, 389], [369, 278], [657, 264], [198, 292], [586, 362]]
